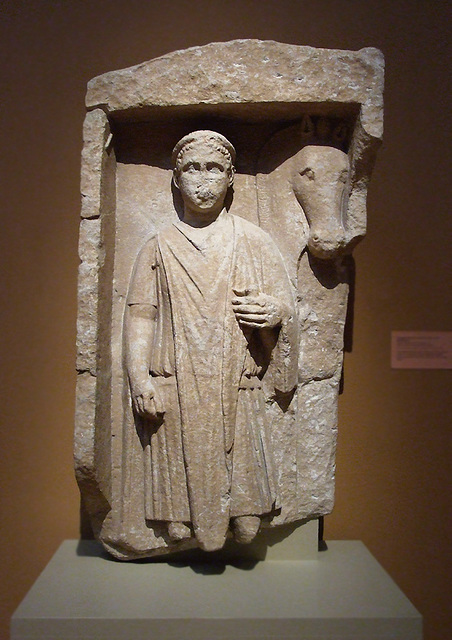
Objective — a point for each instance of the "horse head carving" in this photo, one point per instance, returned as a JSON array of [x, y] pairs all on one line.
[[320, 182]]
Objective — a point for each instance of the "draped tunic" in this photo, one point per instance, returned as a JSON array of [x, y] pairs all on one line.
[[211, 458]]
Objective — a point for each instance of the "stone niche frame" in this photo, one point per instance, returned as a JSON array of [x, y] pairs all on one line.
[[250, 91]]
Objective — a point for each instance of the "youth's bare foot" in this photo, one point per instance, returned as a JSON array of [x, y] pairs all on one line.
[[246, 528], [178, 531]]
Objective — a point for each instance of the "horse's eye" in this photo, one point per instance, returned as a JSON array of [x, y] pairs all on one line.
[[308, 172]]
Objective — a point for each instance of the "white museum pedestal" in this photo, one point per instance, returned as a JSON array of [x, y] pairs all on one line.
[[343, 594]]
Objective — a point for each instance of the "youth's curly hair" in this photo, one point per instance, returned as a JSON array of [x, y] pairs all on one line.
[[217, 140]]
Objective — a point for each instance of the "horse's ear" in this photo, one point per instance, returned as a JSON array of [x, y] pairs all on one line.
[[340, 133], [307, 128]]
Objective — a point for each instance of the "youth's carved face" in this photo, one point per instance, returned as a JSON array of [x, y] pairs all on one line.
[[203, 177]]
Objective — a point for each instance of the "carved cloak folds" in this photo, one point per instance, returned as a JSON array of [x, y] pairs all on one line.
[[211, 458]]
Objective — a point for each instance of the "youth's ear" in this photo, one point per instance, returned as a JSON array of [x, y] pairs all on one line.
[[176, 178], [231, 176]]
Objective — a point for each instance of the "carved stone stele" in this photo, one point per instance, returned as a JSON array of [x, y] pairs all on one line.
[[223, 190]]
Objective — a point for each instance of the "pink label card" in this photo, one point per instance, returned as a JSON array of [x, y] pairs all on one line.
[[421, 349]]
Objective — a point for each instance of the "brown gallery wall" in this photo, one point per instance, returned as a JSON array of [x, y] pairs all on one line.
[[393, 485]]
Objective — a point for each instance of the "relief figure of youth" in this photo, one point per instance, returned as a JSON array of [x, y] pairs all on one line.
[[210, 321]]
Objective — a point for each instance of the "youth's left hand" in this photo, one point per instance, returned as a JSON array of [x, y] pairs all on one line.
[[257, 310]]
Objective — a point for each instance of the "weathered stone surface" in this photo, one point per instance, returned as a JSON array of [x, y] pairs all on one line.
[[88, 290], [84, 447], [249, 72], [95, 135], [154, 453]]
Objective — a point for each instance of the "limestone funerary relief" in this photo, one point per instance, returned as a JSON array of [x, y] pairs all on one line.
[[224, 188]]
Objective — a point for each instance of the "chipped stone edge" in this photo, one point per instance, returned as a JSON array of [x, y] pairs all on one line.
[[107, 90], [96, 132]]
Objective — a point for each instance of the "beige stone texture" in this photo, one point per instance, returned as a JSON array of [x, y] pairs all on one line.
[[305, 124], [249, 72]]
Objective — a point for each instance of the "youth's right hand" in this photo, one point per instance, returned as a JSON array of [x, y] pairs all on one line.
[[147, 401]]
